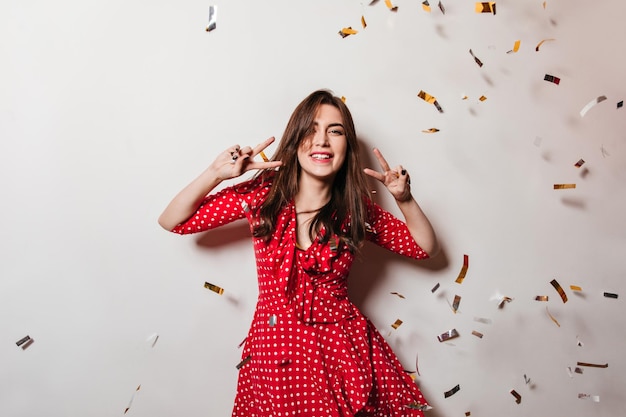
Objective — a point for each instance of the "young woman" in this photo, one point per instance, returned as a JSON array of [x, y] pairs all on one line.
[[309, 351]]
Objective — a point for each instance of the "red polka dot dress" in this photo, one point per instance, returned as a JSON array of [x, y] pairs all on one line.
[[309, 351]]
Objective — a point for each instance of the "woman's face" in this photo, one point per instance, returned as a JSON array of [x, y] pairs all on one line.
[[322, 153]]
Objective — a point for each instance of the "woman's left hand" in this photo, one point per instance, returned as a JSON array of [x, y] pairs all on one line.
[[396, 180]]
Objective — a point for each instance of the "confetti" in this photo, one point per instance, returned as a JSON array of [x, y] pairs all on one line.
[[272, 321], [486, 7], [564, 186], [24, 342], [347, 32], [518, 398], [452, 391], [152, 338], [552, 79], [620, 104], [575, 288], [541, 298], [426, 6], [212, 18], [592, 365], [610, 295], [482, 98], [541, 43], [214, 288], [504, 300], [245, 207], [429, 99], [594, 398], [131, 399], [450, 334], [477, 334], [591, 104], [559, 289], [443, 9], [482, 320], [478, 61], [244, 361], [578, 342], [455, 303], [265, 158], [343, 99], [391, 6], [397, 324], [463, 271], [398, 294], [579, 163], [242, 342], [515, 47], [464, 97], [435, 288], [431, 130], [552, 317], [418, 406], [526, 379], [363, 22], [467, 414]]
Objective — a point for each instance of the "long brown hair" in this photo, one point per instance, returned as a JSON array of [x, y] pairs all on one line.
[[346, 207]]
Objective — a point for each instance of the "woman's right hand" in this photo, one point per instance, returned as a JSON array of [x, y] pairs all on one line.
[[235, 161]]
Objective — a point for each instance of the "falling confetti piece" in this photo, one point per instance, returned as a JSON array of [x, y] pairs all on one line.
[[464, 97], [455, 303], [620, 104], [541, 298], [467, 414], [604, 152], [515, 47], [579, 163], [610, 295], [482, 98], [363, 22], [429, 99], [418, 406], [431, 130], [343, 99], [575, 288], [552, 79], [477, 334], [591, 104], [435, 288], [594, 398], [152, 339], [463, 271], [443, 9], [518, 398], [541, 43], [23, 340], [452, 391], [391, 6], [347, 32], [486, 7], [559, 289], [214, 288], [578, 342], [131, 399], [478, 61], [244, 361], [242, 342], [398, 294], [450, 334], [272, 320], [593, 365], [397, 324], [212, 18], [564, 186], [552, 317], [544, 4], [426, 6], [504, 300], [265, 158], [482, 320], [526, 379]]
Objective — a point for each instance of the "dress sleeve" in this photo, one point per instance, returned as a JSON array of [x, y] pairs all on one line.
[[389, 232], [225, 206]]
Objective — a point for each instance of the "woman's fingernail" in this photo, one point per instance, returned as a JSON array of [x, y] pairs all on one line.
[[404, 172]]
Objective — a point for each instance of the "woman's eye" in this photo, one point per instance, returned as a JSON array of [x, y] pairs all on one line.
[[336, 132]]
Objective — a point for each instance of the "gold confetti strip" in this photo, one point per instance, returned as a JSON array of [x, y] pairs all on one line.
[[443, 9], [559, 289], [398, 294], [541, 43], [477, 334], [482, 98], [504, 300], [363, 22], [265, 158], [482, 320], [467, 414], [564, 186], [343, 99], [592, 365], [478, 61], [214, 288], [397, 324], [347, 32], [450, 334], [455, 303], [391, 6], [452, 391], [272, 321], [610, 295], [518, 398], [244, 361], [486, 7], [245, 206], [212, 18], [463, 97], [579, 163], [591, 104], [431, 130], [515, 47], [594, 398], [418, 406], [429, 99], [541, 298], [463, 271], [23, 340], [242, 342], [426, 6], [131, 399], [552, 317], [552, 79], [544, 4], [435, 288]]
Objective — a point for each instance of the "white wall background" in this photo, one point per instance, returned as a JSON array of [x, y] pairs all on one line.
[[108, 108]]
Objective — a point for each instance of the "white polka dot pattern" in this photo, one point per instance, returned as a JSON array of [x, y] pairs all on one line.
[[312, 352]]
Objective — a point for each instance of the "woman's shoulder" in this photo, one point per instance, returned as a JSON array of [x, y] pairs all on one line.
[[256, 188]]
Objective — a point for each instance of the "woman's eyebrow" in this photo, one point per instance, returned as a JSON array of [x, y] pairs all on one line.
[[335, 124]]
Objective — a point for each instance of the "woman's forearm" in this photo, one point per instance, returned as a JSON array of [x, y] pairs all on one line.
[[419, 226]]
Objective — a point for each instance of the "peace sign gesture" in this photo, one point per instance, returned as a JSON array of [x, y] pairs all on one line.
[[235, 161], [396, 180]]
